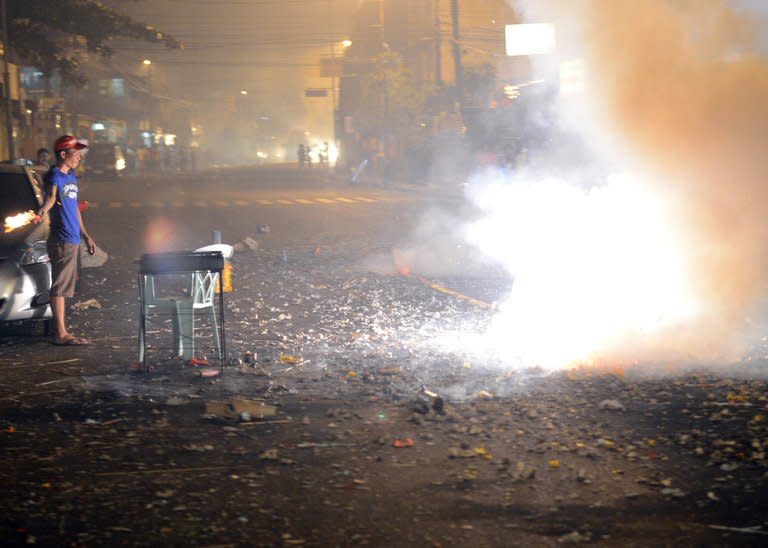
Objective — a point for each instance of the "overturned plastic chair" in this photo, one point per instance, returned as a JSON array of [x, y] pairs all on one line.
[[204, 267]]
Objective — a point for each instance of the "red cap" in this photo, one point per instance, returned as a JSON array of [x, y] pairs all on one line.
[[66, 142]]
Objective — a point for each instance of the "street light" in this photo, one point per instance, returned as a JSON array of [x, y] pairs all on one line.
[[243, 92], [148, 64], [346, 43]]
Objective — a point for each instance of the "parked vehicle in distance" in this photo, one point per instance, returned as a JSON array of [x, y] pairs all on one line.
[[104, 159], [25, 270]]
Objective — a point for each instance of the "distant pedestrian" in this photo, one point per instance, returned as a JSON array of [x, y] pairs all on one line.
[[67, 228], [44, 158], [301, 155]]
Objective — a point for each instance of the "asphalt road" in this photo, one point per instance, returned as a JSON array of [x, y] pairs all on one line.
[[340, 306], [298, 206]]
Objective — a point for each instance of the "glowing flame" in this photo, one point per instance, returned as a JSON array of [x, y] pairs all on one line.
[[399, 262], [17, 221], [593, 269], [160, 235]]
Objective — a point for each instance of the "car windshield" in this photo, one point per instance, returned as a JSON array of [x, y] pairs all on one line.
[[16, 194]]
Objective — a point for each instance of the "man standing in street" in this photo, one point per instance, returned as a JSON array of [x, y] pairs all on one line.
[[61, 191]]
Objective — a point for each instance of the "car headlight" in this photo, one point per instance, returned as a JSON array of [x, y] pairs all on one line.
[[120, 164], [34, 253]]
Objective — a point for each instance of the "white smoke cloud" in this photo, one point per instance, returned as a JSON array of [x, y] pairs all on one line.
[[671, 262]]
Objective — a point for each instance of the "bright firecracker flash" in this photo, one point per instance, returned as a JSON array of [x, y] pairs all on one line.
[[17, 221], [594, 270]]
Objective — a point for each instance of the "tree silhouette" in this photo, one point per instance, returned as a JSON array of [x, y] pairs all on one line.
[[49, 34]]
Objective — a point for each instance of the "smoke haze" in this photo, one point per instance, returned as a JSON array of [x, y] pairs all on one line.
[[675, 92]]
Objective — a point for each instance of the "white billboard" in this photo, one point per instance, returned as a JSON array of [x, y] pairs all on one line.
[[530, 39]]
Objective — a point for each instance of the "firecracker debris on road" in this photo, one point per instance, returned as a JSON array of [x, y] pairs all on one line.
[[336, 425]]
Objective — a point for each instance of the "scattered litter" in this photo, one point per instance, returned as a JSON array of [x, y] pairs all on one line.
[[207, 372], [269, 454], [427, 400], [288, 358], [84, 305], [403, 443], [574, 538], [312, 444], [252, 369], [197, 361], [611, 405], [199, 448], [482, 452], [234, 408], [672, 492], [50, 382], [461, 453], [73, 360], [753, 530]]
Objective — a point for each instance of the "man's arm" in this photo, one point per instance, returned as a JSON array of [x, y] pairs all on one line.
[[89, 243], [50, 199]]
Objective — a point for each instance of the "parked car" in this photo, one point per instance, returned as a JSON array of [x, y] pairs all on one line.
[[104, 159], [25, 270]]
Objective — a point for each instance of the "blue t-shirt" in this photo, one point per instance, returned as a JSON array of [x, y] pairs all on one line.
[[65, 223]]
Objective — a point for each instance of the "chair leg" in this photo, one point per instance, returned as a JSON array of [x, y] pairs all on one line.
[[142, 341], [186, 329], [178, 343], [215, 329]]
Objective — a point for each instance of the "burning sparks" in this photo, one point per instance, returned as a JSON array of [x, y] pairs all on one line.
[[17, 221], [594, 270]]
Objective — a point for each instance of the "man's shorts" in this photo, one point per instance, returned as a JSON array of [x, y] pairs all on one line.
[[63, 258]]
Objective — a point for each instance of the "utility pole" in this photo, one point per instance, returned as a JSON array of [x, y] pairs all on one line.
[[438, 47], [7, 83], [457, 55]]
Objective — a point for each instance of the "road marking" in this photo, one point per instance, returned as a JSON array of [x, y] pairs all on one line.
[[245, 203], [447, 291]]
